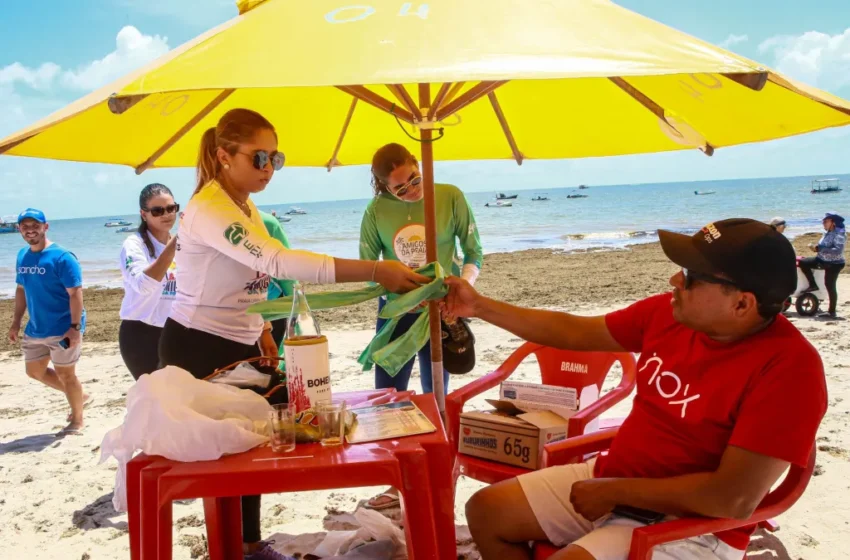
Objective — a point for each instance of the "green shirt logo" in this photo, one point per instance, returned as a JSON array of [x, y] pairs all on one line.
[[235, 233]]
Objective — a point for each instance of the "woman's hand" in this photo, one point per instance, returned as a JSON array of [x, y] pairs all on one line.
[[268, 348], [397, 277]]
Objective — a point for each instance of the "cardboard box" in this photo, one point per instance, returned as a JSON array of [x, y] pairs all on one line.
[[509, 435], [526, 417]]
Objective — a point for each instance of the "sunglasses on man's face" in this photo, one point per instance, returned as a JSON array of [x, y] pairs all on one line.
[[261, 158], [401, 190], [691, 277], [159, 211]]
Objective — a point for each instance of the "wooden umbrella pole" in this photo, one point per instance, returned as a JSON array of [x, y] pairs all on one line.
[[431, 249]]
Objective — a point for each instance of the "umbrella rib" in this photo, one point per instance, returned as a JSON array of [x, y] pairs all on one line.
[[779, 81], [438, 101], [333, 162], [148, 163], [375, 100], [404, 97], [494, 101], [476, 92], [653, 107]]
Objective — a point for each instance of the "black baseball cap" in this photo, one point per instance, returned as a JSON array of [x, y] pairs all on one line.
[[753, 255]]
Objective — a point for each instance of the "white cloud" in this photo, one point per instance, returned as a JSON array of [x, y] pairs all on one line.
[[133, 49], [813, 57], [733, 40]]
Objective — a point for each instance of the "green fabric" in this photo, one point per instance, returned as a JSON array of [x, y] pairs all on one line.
[[387, 232], [390, 356], [277, 286]]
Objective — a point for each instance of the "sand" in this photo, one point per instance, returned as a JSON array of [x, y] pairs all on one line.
[[56, 500]]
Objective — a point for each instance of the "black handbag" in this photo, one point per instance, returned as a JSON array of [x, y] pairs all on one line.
[[458, 347]]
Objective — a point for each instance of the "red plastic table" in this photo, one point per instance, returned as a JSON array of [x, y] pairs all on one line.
[[420, 466]]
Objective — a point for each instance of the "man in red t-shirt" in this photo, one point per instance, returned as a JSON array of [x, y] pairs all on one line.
[[729, 394]]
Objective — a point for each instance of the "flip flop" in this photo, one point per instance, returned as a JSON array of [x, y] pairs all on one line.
[[393, 503]]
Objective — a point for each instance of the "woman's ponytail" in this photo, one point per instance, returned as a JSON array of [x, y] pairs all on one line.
[[208, 165]]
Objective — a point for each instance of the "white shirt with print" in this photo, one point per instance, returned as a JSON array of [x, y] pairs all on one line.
[[145, 299], [224, 263]]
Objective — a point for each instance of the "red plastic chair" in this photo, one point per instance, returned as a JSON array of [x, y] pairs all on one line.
[[550, 361], [644, 539]]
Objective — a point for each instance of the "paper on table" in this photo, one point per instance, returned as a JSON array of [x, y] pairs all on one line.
[[388, 421]]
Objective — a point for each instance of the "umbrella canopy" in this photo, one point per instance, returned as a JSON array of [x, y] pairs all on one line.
[[571, 79]]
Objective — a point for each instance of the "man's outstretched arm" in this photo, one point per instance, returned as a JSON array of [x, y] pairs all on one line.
[[549, 328]]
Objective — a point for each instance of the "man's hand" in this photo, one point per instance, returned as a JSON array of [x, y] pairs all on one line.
[[14, 331], [590, 498], [74, 337], [461, 301]]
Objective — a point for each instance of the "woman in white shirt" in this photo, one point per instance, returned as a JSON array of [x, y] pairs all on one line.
[[226, 258], [147, 265]]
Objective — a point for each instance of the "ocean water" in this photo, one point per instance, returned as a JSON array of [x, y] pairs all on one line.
[[610, 217]]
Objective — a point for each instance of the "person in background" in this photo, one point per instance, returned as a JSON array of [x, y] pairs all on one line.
[[150, 285], [278, 287], [393, 228], [50, 289], [711, 429], [830, 258], [778, 224], [225, 260]]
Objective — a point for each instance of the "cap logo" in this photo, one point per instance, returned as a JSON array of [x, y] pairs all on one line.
[[711, 233]]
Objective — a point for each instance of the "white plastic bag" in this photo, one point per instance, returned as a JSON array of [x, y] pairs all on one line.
[[170, 413], [373, 527]]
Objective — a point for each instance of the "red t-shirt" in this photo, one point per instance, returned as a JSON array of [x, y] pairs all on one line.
[[696, 396]]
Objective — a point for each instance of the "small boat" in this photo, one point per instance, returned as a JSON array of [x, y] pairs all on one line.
[[117, 222], [9, 224], [826, 186], [296, 211], [503, 196], [125, 229], [499, 204], [283, 219], [701, 193], [576, 196], [583, 187], [540, 198]]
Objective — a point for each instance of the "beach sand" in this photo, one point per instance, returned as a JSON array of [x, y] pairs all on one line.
[[55, 499]]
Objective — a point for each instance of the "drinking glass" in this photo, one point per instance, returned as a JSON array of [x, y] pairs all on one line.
[[331, 422], [282, 420]]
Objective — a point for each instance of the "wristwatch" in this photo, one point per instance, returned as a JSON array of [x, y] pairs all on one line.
[[77, 326]]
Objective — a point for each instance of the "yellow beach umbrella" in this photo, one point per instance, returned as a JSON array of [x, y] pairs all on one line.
[[471, 79]]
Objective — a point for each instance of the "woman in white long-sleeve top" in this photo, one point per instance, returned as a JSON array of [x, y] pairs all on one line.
[[147, 266]]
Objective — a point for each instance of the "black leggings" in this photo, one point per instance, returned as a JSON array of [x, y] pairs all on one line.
[[201, 353], [138, 343], [831, 271]]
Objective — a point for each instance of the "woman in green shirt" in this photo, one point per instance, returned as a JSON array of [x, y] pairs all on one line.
[[394, 228]]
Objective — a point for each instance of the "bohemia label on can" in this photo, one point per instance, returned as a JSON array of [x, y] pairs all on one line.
[[308, 371]]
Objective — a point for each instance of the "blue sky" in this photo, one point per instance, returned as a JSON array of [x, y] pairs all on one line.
[[54, 51]]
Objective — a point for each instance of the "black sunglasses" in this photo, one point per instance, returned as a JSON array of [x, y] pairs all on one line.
[[691, 276], [402, 189], [159, 211], [261, 159]]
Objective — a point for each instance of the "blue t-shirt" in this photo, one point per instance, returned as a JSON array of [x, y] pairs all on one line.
[[46, 275]]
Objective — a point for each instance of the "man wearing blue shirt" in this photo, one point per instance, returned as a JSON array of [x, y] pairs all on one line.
[[50, 289]]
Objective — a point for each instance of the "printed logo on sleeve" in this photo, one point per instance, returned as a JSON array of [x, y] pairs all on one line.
[[409, 245], [235, 233]]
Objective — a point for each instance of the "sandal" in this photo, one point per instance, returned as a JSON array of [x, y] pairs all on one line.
[[393, 503]]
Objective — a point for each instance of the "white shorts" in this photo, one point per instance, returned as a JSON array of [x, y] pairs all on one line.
[[35, 349], [609, 538]]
